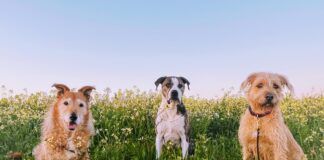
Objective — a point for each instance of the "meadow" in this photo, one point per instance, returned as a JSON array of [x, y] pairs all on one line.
[[124, 124]]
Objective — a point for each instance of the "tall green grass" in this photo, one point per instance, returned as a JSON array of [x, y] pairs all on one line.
[[124, 124]]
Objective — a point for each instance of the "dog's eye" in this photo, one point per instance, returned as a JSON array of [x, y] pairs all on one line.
[[168, 85], [259, 85], [180, 85], [81, 104], [66, 103], [275, 86]]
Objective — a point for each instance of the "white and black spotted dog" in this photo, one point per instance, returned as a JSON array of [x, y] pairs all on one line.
[[172, 122]]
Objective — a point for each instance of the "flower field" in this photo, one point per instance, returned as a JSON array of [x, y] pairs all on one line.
[[124, 124]]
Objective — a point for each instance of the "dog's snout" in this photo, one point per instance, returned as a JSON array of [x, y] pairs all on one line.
[[269, 97], [73, 117], [174, 94]]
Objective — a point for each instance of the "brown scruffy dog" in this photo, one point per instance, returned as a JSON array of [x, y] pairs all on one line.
[[68, 126], [263, 120]]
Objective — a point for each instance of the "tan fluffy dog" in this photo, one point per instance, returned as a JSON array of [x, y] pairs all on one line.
[[264, 93], [68, 126]]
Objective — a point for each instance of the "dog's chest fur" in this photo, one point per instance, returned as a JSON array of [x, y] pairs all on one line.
[[249, 128], [170, 124], [78, 144], [269, 130]]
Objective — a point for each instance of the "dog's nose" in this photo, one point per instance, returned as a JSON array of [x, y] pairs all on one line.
[[174, 94], [269, 97], [73, 117]]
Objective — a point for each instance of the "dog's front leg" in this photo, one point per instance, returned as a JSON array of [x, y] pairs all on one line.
[[280, 156], [280, 150], [158, 145], [246, 154], [184, 146]]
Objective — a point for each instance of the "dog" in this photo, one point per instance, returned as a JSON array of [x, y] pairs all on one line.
[[172, 122], [262, 132], [68, 126]]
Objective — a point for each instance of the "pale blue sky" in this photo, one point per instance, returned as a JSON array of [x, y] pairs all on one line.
[[119, 44]]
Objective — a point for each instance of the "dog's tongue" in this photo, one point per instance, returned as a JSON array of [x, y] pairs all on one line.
[[72, 126]]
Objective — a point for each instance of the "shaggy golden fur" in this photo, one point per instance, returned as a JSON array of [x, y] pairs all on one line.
[[62, 139], [275, 141]]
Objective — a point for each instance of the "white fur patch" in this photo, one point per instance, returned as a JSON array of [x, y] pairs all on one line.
[[82, 110], [170, 127], [175, 87], [255, 134]]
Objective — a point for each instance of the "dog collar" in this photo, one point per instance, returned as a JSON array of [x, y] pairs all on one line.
[[257, 114], [60, 146], [72, 151]]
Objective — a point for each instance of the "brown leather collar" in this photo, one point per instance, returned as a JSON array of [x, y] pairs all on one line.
[[72, 151], [257, 114]]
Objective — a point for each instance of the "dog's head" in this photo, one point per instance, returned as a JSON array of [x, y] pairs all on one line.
[[265, 89], [172, 88], [73, 107]]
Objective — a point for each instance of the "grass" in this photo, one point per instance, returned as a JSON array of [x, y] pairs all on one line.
[[125, 125]]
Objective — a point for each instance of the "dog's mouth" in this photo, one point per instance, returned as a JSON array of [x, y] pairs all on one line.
[[268, 104], [173, 100], [72, 126]]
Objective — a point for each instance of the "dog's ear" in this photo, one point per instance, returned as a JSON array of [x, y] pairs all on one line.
[[160, 81], [86, 91], [185, 80], [285, 82], [61, 89], [249, 80]]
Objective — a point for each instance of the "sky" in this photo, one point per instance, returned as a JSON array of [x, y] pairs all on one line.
[[121, 44]]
